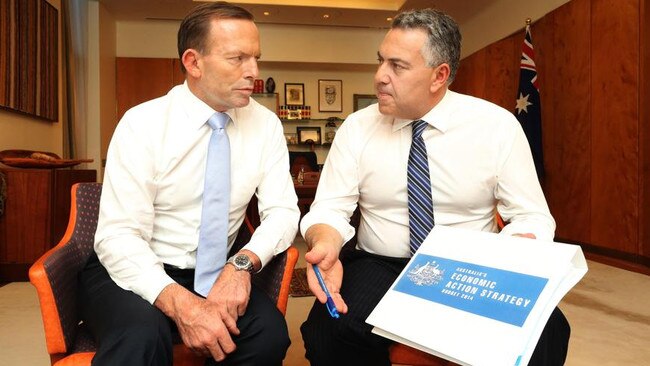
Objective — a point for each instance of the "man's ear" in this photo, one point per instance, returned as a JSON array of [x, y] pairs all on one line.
[[190, 60], [439, 77]]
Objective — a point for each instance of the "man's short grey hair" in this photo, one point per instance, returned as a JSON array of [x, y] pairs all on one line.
[[443, 36]]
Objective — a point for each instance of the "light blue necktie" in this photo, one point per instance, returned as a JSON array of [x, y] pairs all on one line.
[[213, 234], [419, 189]]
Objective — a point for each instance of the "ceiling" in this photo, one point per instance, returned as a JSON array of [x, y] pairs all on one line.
[[346, 13]]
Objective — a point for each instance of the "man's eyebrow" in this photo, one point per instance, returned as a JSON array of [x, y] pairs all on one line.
[[392, 59]]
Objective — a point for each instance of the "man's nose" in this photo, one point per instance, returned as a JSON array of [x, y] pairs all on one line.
[[251, 70]]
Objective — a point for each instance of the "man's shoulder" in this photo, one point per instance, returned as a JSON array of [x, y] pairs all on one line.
[[367, 116], [471, 106]]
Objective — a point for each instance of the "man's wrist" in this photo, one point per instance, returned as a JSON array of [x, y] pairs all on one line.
[[242, 262]]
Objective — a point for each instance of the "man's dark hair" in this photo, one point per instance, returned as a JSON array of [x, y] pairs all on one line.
[[195, 28], [443, 35]]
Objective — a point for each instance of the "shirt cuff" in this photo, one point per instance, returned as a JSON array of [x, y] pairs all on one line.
[[339, 224], [151, 283]]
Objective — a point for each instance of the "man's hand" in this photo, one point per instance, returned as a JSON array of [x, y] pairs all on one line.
[[526, 235], [198, 320], [230, 293], [325, 243]]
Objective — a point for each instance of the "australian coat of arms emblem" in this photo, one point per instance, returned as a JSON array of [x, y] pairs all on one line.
[[426, 275]]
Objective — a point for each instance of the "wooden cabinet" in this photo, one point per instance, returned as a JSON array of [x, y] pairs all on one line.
[[35, 215]]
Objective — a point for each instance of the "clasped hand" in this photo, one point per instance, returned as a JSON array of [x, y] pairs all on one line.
[[206, 325]]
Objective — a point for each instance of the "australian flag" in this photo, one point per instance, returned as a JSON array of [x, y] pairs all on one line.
[[528, 109]]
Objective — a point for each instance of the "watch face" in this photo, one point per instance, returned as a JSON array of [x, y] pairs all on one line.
[[242, 261]]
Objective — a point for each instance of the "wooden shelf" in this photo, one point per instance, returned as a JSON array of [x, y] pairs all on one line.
[[283, 120]]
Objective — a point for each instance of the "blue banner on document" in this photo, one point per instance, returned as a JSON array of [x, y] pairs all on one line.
[[489, 292]]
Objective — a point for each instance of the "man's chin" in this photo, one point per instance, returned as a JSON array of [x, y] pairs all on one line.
[[242, 102], [386, 110]]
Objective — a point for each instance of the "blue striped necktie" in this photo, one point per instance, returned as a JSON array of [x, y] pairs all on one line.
[[419, 189], [213, 233]]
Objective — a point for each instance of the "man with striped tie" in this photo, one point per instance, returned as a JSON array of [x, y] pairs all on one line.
[[424, 155]]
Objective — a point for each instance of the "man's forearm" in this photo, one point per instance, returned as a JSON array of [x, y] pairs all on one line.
[[325, 234], [172, 298]]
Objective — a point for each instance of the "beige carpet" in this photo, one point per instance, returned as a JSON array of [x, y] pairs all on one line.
[[609, 312]]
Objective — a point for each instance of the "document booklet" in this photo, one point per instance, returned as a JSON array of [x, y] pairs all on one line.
[[478, 298]]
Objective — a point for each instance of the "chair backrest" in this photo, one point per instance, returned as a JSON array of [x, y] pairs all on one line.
[[305, 159], [55, 274]]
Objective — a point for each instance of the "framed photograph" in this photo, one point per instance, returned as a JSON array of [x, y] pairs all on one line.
[[330, 95], [294, 94], [363, 100], [308, 135]]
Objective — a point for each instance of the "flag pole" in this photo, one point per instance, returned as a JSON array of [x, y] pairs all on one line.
[[528, 21]]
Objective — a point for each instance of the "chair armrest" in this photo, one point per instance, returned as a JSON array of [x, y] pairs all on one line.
[[275, 278], [55, 338]]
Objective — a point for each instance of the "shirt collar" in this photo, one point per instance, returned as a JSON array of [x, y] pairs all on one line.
[[439, 116], [198, 112]]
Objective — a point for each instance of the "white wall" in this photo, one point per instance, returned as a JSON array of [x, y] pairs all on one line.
[[279, 43]]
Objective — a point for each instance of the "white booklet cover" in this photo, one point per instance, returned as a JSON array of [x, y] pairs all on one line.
[[478, 298]]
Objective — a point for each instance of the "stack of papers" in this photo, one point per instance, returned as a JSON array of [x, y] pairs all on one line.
[[478, 298]]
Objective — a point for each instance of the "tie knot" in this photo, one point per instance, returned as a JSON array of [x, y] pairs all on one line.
[[218, 121], [418, 128]]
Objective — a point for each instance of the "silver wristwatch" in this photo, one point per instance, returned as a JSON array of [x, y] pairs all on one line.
[[241, 262]]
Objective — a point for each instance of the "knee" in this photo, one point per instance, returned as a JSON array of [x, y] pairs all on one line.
[[272, 340], [320, 334], [553, 344], [559, 327], [148, 340]]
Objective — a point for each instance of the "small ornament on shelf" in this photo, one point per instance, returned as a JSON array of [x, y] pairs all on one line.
[[258, 86], [270, 85]]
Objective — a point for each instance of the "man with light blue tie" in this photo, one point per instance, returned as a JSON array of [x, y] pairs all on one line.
[[423, 156], [172, 204]]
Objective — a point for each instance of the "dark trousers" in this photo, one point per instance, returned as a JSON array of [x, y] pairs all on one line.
[[130, 331], [349, 341]]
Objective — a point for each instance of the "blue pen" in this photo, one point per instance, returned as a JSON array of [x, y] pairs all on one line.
[[331, 308]]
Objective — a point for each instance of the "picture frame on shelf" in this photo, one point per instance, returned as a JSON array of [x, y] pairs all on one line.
[[330, 95], [294, 94], [360, 101], [308, 135]]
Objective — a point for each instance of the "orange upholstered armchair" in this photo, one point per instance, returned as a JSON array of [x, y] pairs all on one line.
[[55, 277]]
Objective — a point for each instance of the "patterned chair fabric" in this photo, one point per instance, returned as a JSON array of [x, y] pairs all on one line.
[[63, 265], [55, 277]]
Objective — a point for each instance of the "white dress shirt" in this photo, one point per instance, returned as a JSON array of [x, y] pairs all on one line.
[[479, 161], [150, 209]]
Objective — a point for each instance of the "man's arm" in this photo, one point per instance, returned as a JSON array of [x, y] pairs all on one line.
[[276, 197], [521, 199], [126, 212]]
